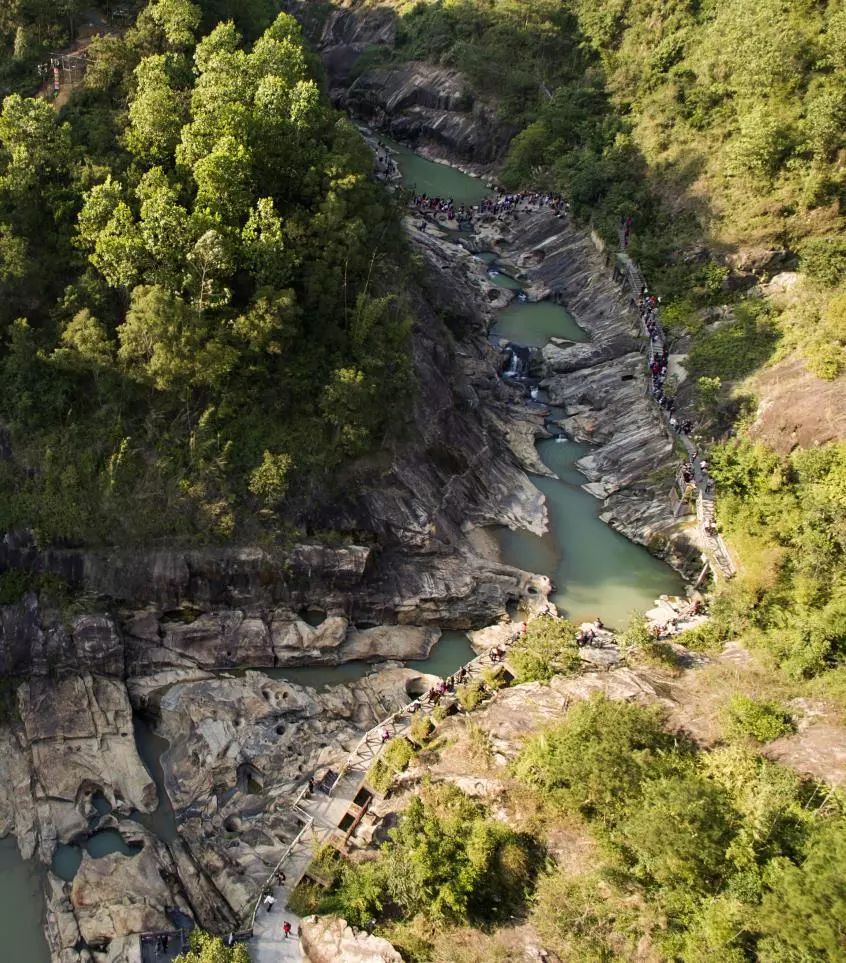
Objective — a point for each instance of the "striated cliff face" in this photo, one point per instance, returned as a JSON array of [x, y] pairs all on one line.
[[601, 386], [429, 106]]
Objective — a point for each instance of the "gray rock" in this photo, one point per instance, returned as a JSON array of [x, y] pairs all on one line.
[[328, 939]]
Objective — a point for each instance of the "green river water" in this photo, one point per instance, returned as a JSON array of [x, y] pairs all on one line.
[[595, 571]]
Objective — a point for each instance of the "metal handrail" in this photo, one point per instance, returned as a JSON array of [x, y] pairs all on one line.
[[277, 867]]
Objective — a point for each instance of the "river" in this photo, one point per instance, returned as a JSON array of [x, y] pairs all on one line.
[[595, 570]]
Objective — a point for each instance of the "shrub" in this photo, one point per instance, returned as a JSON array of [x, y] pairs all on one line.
[[597, 759], [824, 259], [306, 898], [679, 831], [706, 637], [420, 729], [756, 719], [802, 913], [446, 857], [548, 648], [394, 759], [471, 696]]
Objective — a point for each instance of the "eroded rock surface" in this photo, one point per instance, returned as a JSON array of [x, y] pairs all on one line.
[[329, 939]]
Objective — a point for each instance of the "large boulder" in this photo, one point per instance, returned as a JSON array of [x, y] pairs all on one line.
[[328, 939], [80, 739]]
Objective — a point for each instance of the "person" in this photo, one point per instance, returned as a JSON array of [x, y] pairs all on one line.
[[286, 928], [280, 876], [385, 736], [269, 900], [165, 941], [311, 787], [494, 654]]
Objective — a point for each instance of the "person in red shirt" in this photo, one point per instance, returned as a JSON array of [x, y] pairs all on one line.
[[286, 928]]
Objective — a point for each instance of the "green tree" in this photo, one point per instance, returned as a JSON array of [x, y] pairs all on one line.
[[178, 21], [157, 111], [206, 948], [167, 343], [803, 913], [87, 339], [270, 480]]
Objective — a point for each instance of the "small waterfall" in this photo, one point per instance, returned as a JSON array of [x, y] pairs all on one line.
[[534, 393], [518, 360]]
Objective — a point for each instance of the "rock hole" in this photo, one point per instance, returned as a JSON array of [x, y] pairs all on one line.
[[232, 824]]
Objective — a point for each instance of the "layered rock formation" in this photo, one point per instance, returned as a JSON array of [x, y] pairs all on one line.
[[429, 106], [601, 386]]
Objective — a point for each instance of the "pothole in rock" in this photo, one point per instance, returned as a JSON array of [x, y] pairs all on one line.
[[68, 856]]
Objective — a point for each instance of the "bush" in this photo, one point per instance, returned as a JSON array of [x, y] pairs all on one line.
[[306, 898], [548, 648], [706, 637], [597, 759], [394, 759], [824, 259], [802, 913], [471, 696], [679, 831], [736, 348], [446, 857], [746, 718], [421, 729]]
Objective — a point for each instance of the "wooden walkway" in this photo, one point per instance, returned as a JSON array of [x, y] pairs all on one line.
[[320, 815]]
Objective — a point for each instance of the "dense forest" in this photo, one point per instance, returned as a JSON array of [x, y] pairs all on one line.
[[194, 291]]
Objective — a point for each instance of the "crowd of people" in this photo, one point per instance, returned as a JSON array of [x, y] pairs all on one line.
[[659, 354], [498, 205]]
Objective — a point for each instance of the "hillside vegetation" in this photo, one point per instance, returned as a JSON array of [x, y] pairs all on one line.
[[607, 837], [719, 128], [193, 288]]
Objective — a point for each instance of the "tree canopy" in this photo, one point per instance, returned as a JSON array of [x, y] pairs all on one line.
[[204, 284]]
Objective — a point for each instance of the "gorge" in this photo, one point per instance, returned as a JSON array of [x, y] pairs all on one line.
[[604, 574], [285, 445]]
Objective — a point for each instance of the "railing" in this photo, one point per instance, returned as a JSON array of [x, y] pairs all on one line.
[[308, 824], [718, 554]]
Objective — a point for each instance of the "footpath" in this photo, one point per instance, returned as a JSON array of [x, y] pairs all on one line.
[[648, 310], [320, 814]]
